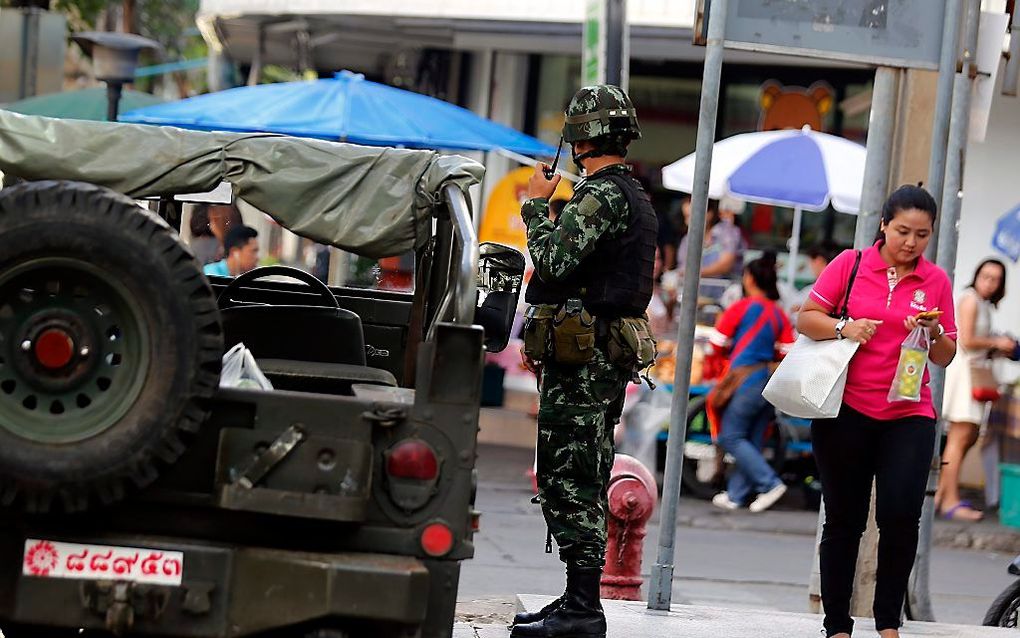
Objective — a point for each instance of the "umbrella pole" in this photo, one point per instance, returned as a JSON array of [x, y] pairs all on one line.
[[791, 261]]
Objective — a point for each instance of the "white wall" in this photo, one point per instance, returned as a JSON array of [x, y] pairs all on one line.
[[991, 189]]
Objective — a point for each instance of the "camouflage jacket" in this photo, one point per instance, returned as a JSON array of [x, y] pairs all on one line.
[[597, 207]]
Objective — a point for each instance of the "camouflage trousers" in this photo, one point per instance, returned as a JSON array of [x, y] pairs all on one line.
[[578, 410]]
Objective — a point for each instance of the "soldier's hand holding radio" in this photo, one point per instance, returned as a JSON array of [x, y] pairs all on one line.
[[541, 186]]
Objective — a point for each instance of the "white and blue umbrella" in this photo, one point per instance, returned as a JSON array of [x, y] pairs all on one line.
[[800, 169], [1007, 235]]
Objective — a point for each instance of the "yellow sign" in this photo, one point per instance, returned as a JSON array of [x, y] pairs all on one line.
[[502, 220]]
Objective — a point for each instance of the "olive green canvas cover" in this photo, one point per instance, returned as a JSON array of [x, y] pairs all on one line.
[[372, 201]]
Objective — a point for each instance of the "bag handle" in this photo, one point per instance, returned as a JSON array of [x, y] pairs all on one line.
[[845, 314]]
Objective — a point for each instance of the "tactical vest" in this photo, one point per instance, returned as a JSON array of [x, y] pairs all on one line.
[[616, 279]]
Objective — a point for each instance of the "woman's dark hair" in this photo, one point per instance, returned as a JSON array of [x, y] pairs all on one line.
[[907, 197], [1000, 292], [199, 223], [712, 214], [763, 272]]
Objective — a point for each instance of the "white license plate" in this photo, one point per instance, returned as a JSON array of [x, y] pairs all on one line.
[[53, 559]]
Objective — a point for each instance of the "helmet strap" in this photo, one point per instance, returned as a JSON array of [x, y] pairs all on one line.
[[580, 157]]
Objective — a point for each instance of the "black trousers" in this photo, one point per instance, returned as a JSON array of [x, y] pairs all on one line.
[[851, 450]]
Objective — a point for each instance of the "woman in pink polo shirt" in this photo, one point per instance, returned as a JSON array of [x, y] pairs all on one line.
[[873, 438]]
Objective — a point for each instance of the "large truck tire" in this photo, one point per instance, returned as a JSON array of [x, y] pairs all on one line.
[[110, 346]]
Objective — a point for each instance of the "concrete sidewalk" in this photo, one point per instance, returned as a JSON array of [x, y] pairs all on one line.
[[628, 619]]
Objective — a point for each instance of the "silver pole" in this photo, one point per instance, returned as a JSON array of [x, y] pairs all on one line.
[[943, 101], [1009, 81], [617, 46], [660, 590], [791, 261], [959, 129], [876, 167], [919, 595]]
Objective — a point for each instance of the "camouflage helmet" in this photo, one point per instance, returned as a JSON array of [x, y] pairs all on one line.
[[599, 110]]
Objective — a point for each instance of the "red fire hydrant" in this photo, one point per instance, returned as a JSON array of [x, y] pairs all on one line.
[[632, 496]]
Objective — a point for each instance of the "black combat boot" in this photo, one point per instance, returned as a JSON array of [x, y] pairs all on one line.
[[578, 616], [526, 617]]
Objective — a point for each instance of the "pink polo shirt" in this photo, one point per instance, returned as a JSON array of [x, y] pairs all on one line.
[[872, 369]]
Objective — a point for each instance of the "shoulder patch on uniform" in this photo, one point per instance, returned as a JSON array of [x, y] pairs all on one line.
[[588, 206]]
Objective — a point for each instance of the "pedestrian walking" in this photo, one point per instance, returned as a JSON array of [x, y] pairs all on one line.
[[749, 332], [586, 336], [970, 370], [877, 437]]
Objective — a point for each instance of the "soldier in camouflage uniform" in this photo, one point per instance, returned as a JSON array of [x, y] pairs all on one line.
[[600, 249]]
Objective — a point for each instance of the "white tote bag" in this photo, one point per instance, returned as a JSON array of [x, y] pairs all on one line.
[[809, 382]]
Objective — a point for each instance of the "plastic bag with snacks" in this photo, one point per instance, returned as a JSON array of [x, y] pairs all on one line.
[[906, 385]]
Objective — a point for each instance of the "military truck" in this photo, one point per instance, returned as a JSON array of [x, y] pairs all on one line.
[[137, 495]]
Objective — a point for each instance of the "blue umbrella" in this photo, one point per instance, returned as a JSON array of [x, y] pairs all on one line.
[[347, 108], [1007, 235]]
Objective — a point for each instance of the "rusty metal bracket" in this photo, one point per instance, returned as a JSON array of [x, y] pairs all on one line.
[[122, 602], [271, 457], [198, 597], [384, 416]]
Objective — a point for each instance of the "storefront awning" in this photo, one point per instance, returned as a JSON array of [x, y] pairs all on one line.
[[357, 33]]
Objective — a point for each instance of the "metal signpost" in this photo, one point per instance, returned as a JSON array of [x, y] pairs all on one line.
[[918, 591], [660, 590]]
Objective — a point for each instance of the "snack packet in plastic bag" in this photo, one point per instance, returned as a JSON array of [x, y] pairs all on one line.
[[241, 371], [906, 385]]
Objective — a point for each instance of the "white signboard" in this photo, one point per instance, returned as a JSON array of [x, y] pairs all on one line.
[[53, 559]]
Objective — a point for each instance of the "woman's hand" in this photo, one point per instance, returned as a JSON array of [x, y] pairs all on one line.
[[931, 323], [1004, 345], [861, 330]]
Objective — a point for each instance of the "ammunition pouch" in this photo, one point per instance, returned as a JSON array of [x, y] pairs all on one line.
[[573, 330], [631, 345], [537, 331]]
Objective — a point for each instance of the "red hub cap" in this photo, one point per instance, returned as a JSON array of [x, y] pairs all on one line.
[[54, 349]]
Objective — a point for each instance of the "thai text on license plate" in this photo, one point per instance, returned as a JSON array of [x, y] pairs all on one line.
[[53, 559]]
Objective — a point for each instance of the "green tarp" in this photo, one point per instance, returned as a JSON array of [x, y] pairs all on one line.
[[86, 104], [376, 202]]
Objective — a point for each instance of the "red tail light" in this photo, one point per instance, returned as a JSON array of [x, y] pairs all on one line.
[[412, 459], [436, 539]]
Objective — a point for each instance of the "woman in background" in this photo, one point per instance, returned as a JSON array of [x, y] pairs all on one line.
[[964, 415]]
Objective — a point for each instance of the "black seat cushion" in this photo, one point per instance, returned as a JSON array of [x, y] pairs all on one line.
[[325, 378]]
